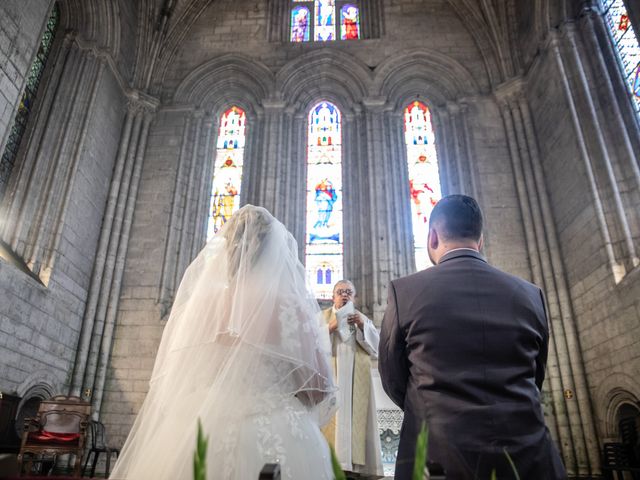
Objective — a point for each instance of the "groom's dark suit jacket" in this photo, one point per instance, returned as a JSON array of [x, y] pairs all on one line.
[[463, 347]]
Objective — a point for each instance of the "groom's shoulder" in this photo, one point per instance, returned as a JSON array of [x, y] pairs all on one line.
[[415, 278]]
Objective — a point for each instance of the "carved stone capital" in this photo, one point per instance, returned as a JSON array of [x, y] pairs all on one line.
[[509, 91], [375, 104]]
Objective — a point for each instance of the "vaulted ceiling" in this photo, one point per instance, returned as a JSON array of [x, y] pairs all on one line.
[[506, 32]]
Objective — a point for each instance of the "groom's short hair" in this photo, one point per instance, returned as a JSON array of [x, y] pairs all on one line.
[[457, 217]]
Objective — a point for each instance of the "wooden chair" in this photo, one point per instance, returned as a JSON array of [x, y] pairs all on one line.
[[99, 445], [58, 428], [617, 460]]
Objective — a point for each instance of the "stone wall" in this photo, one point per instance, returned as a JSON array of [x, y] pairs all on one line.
[[589, 143], [52, 215]]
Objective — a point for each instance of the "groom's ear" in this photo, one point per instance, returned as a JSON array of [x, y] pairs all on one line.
[[433, 239], [481, 242]]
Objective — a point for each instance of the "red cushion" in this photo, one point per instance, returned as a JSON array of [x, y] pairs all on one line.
[[51, 437]]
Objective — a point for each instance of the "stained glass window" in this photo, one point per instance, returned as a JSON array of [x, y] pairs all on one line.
[[26, 102], [424, 180], [626, 45], [300, 24], [349, 22], [324, 26], [324, 199], [227, 173]]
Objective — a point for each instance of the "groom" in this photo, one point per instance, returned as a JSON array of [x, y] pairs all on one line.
[[463, 348]]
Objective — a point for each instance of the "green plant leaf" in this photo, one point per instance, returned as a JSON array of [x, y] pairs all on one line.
[[513, 465], [493, 474], [200, 455], [335, 463], [420, 461]]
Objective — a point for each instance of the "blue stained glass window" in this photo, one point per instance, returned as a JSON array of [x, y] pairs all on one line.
[[424, 179], [324, 248], [626, 44], [300, 24]]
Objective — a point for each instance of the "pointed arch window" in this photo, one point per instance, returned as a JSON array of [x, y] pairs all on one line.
[[424, 179], [324, 238], [324, 20], [626, 45], [28, 97], [227, 172]]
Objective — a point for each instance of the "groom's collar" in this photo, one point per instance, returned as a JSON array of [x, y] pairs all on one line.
[[461, 252]]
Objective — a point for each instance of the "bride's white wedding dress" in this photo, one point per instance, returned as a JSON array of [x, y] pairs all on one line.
[[244, 353]]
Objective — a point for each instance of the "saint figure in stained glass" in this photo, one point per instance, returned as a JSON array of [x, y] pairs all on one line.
[[300, 24], [225, 191], [350, 26], [325, 23], [324, 199], [424, 183]]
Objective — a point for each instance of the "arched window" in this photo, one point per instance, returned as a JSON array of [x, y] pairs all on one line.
[[324, 199], [227, 173], [424, 181], [324, 20], [626, 45], [28, 97]]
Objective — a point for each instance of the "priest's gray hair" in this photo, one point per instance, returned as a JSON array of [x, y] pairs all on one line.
[[345, 282]]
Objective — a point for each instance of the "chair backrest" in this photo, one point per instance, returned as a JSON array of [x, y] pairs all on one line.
[[628, 431], [98, 434], [615, 455], [63, 414]]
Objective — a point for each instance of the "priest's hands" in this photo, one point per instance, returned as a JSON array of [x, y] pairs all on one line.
[[355, 319]]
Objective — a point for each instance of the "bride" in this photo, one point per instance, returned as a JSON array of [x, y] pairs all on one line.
[[242, 351]]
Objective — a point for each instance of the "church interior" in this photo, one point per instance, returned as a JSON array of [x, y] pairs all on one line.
[[131, 130]]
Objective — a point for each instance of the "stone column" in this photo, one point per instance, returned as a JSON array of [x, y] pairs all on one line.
[[272, 159], [58, 223], [170, 262], [574, 423], [387, 195], [121, 255], [94, 344], [589, 23], [617, 269], [206, 179], [298, 179], [31, 200], [440, 119], [187, 229], [606, 156], [25, 172], [95, 287]]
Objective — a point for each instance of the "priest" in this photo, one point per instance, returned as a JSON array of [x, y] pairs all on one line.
[[353, 432]]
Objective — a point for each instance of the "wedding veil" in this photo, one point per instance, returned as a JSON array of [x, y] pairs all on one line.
[[243, 337]]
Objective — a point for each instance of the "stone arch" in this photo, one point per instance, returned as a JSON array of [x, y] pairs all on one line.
[[326, 74], [33, 390], [433, 76], [180, 18], [617, 390], [619, 401], [226, 80], [94, 20]]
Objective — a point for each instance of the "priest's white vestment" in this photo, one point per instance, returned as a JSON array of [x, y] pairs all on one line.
[[353, 431]]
